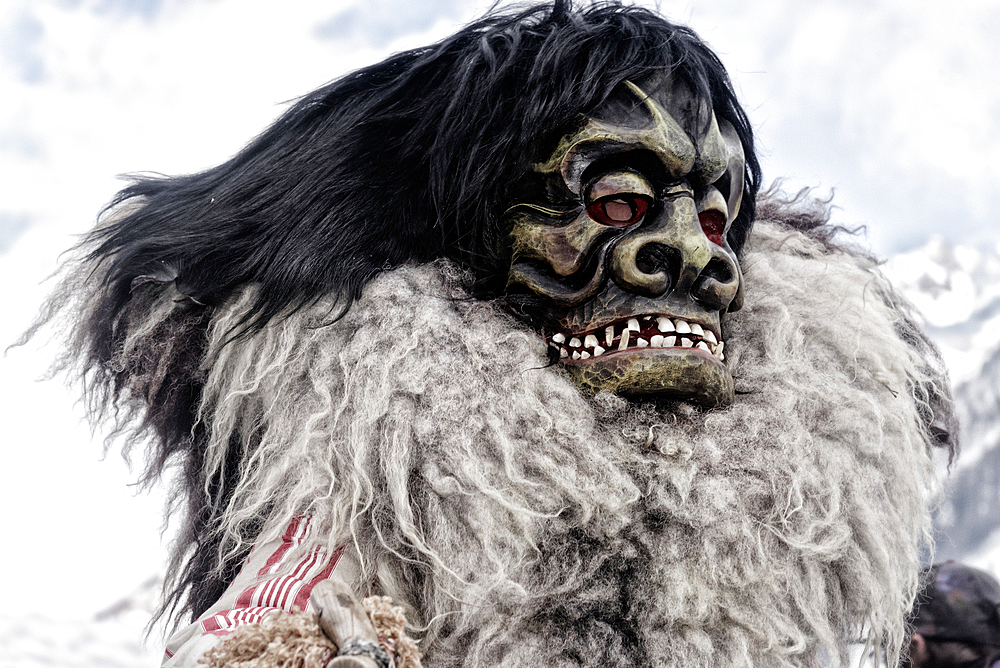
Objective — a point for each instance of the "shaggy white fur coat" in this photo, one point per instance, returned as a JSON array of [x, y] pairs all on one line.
[[522, 523]]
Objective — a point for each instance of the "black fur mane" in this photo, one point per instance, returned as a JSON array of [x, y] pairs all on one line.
[[409, 160]]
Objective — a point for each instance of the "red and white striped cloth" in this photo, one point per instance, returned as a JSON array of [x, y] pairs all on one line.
[[268, 581]]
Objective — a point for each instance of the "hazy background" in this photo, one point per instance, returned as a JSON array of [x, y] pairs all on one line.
[[892, 106]]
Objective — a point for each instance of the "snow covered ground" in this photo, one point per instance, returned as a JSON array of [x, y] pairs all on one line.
[[112, 638], [36, 641]]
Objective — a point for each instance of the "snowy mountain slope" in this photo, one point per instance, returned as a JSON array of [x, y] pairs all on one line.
[[957, 290], [970, 516]]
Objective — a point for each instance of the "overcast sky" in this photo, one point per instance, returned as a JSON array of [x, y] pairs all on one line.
[[893, 104]]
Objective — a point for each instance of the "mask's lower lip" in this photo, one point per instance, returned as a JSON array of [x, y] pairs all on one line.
[[635, 334]]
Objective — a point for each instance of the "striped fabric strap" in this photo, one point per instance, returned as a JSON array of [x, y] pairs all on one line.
[[279, 584]]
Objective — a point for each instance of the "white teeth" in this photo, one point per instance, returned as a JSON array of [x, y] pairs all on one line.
[[623, 343], [718, 351], [673, 327]]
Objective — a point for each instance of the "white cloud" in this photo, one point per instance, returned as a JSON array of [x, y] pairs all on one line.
[[895, 104]]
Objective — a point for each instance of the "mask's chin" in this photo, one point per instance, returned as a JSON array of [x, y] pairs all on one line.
[[683, 374], [653, 354]]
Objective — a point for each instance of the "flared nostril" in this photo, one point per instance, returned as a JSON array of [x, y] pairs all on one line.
[[719, 270], [718, 285], [654, 258]]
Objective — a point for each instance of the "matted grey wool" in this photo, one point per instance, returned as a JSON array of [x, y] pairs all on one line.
[[522, 523]]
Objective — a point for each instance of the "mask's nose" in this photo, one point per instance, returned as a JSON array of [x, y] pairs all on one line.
[[672, 255]]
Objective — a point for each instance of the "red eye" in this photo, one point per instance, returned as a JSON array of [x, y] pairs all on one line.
[[618, 210], [713, 224]]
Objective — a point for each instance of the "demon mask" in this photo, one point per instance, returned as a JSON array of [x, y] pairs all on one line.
[[624, 246]]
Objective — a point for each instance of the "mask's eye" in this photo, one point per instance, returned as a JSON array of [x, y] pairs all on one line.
[[713, 224], [619, 210]]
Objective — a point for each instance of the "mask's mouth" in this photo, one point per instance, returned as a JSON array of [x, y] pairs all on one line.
[[635, 333]]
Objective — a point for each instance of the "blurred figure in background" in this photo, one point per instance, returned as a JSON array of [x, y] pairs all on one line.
[[956, 619]]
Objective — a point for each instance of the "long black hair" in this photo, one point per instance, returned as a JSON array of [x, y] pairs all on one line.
[[409, 160]]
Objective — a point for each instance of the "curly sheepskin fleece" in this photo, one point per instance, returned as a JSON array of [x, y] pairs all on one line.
[[522, 523]]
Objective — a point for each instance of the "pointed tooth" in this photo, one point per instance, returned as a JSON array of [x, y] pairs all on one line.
[[574, 342], [576, 354], [633, 324], [656, 340], [559, 337], [590, 341], [585, 355], [696, 329], [686, 342], [641, 343], [718, 351], [710, 337], [665, 324], [670, 342], [609, 335], [623, 343], [598, 351], [683, 327], [563, 353], [703, 346]]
